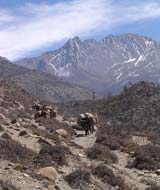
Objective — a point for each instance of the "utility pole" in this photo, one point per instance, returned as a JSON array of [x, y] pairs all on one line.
[[93, 95], [93, 99]]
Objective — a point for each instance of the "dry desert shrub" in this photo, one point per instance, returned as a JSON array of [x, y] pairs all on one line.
[[13, 151], [79, 178], [147, 157], [6, 185], [153, 188], [107, 176], [101, 152], [51, 125], [114, 136], [52, 155]]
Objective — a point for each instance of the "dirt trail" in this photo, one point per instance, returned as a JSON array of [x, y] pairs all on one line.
[[81, 143], [84, 141], [138, 179], [131, 176]]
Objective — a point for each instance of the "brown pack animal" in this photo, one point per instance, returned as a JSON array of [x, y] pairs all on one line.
[[37, 106], [44, 111], [87, 121], [79, 119], [53, 113]]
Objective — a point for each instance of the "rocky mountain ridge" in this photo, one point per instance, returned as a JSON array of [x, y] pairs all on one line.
[[102, 65], [43, 85]]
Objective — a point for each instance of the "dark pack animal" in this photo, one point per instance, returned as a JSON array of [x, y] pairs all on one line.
[[87, 122]]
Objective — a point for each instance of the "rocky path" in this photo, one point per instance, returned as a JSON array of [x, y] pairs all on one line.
[[131, 176], [85, 141], [136, 179], [81, 143]]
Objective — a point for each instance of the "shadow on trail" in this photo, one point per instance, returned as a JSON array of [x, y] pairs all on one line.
[[80, 135]]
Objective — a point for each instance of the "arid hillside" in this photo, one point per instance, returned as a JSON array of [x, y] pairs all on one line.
[[41, 152], [137, 106], [42, 85]]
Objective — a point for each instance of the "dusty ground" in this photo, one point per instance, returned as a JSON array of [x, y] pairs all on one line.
[[136, 179]]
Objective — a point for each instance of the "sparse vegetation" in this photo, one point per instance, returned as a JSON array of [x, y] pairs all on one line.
[[13, 151], [101, 152], [45, 86], [6, 185], [147, 157], [53, 124], [114, 136], [5, 135], [56, 155], [137, 106], [107, 176], [119, 121], [79, 178], [153, 188]]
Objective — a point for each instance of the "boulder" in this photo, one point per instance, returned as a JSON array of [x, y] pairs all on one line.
[[23, 133], [48, 172], [62, 132], [157, 172], [13, 121], [18, 125]]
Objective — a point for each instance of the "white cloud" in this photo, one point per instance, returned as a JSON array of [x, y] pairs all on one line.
[[34, 26], [5, 17]]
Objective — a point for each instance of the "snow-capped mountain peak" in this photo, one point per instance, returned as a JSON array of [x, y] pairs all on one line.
[[101, 64]]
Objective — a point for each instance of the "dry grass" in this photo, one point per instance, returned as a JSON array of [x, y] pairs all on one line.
[[6, 185], [147, 157], [107, 176], [101, 152], [116, 137], [153, 188], [52, 155], [51, 125], [15, 152], [79, 178]]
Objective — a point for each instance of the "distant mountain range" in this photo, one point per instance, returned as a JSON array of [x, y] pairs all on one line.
[[105, 65], [43, 85]]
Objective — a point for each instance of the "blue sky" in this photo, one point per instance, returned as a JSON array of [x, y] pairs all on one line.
[[31, 27]]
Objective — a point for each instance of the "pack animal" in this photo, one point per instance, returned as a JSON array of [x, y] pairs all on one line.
[[87, 121], [44, 111]]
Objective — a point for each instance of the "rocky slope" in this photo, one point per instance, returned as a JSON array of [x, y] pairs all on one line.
[[137, 106], [113, 158], [102, 65], [43, 85]]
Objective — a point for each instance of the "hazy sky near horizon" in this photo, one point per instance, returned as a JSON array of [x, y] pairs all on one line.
[[30, 27]]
